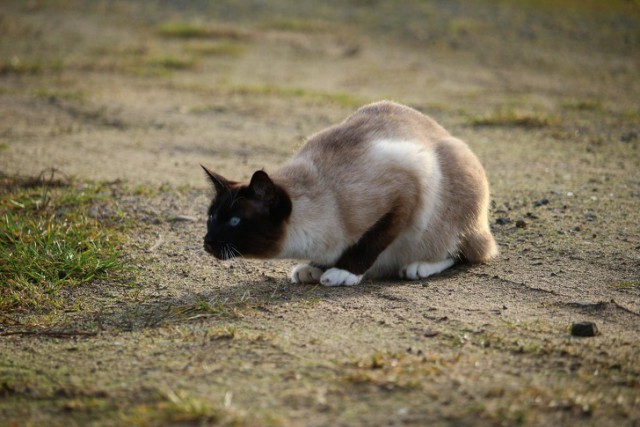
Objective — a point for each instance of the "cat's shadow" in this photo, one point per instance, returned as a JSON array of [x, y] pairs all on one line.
[[228, 303]]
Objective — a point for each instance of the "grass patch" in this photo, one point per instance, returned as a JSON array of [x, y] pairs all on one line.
[[625, 285], [464, 27], [50, 243], [160, 65], [397, 371], [341, 99], [223, 48], [335, 98], [205, 308], [172, 63], [190, 30], [595, 105], [296, 25], [512, 118], [183, 30], [54, 95], [19, 66], [184, 408]]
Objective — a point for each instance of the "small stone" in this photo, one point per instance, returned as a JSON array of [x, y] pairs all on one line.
[[503, 221], [584, 329], [521, 223], [590, 217], [541, 202], [629, 136]]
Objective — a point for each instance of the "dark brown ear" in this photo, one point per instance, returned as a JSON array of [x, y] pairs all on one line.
[[221, 184], [262, 186]]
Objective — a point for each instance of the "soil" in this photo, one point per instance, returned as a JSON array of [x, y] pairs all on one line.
[[546, 93]]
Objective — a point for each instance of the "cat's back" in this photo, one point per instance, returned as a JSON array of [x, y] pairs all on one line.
[[379, 121]]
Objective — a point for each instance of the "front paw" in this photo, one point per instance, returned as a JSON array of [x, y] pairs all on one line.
[[422, 269], [305, 273], [337, 277]]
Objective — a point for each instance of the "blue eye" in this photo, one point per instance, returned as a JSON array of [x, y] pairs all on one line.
[[234, 221]]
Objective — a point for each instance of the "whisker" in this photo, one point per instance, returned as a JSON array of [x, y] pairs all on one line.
[[236, 252]]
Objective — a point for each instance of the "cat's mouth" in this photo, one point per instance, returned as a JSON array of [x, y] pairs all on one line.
[[222, 251]]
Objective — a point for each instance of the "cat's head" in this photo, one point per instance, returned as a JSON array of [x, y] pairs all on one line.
[[246, 220]]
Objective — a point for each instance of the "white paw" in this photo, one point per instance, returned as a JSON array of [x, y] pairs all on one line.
[[305, 273], [337, 277], [421, 269]]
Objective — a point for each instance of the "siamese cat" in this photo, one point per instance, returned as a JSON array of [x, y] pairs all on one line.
[[388, 192]]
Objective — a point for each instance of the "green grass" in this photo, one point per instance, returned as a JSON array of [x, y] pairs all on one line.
[[512, 118], [181, 407], [203, 307], [178, 407], [170, 62], [160, 65], [49, 242], [190, 30], [60, 94], [296, 25], [337, 98], [595, 105], [222, 48], [19, 66], [625, 285], [397, 371]]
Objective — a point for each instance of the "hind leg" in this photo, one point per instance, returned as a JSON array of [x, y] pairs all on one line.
[[422, 269], [479, 246]]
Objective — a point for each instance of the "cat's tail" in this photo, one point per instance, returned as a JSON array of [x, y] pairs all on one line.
[[479, 246]]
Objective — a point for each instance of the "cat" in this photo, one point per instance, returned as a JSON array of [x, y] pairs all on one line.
[[386, 193]]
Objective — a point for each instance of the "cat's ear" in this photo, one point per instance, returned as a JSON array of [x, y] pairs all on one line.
[[263, 187], [221, 184]]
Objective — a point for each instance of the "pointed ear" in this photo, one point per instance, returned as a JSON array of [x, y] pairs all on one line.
[[221, 184], [263, 187]]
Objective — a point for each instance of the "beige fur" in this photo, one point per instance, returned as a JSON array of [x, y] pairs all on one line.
[[386, 157]]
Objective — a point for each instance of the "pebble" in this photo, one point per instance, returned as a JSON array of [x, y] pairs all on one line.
[[584, 329], [629, 136], [541, 202], [521, 223], [503, 221]]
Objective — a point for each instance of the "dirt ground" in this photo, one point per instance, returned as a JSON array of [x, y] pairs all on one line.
[[138, 94]]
